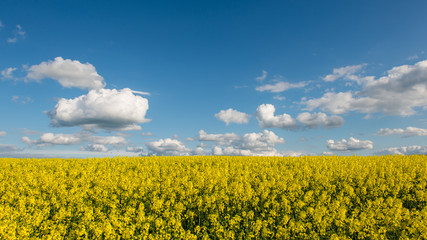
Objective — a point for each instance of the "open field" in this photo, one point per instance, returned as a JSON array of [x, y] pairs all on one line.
[[214, 197]]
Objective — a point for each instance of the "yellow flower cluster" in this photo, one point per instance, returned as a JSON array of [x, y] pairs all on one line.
[[214, 197]]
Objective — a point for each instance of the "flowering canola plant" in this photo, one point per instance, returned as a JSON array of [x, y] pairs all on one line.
[[214, 197]]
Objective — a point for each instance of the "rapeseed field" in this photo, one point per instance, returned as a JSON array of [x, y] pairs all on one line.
[[214, 197]]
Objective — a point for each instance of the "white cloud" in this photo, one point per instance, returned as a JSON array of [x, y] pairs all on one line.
[[146, 134], [336, 103], [199, 151], [262, 78], [12, 39], [17, 33], [279, 86], [20, 99], [267, 119], [222, 139], [398, 93], [408, 132], [202, 145], [402, 89], [231, 151], [108, 109], [105, 140], [260, 141], [217, 151], [319, 119], [7, 73], [141, 93], [95, 148], [250, 144], [295, 154], [280, 98], [327, 153], [406, 150], [189, 139], [62, 139], [349, 145], [2, 133], [167, 146], [232, 116], [73, 139], [53, 139], [348, 73], [68, 73], [134, 149]]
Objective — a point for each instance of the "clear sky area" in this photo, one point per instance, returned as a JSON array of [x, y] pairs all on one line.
[[266, 78]]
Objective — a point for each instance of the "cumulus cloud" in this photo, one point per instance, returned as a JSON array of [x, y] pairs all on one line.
[[336, 103], [167, 146], [295, 154], [232, 116], [267, 119], [222, 139], [105, 140], [319, 119], [402, 89], [2, 133], [69, 73], [53, 139], [398, 93], [406, 150], [279, 86], [250, 144], [95, 148], [349, 145], [108, 109], [260, 141], [408, 132], [7, 73], [263, 77], [47, 139], [199, 151]]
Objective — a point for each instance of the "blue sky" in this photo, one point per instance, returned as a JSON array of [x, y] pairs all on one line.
[[107, 78]]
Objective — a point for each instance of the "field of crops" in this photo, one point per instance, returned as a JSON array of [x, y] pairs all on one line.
[[214, 197]]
